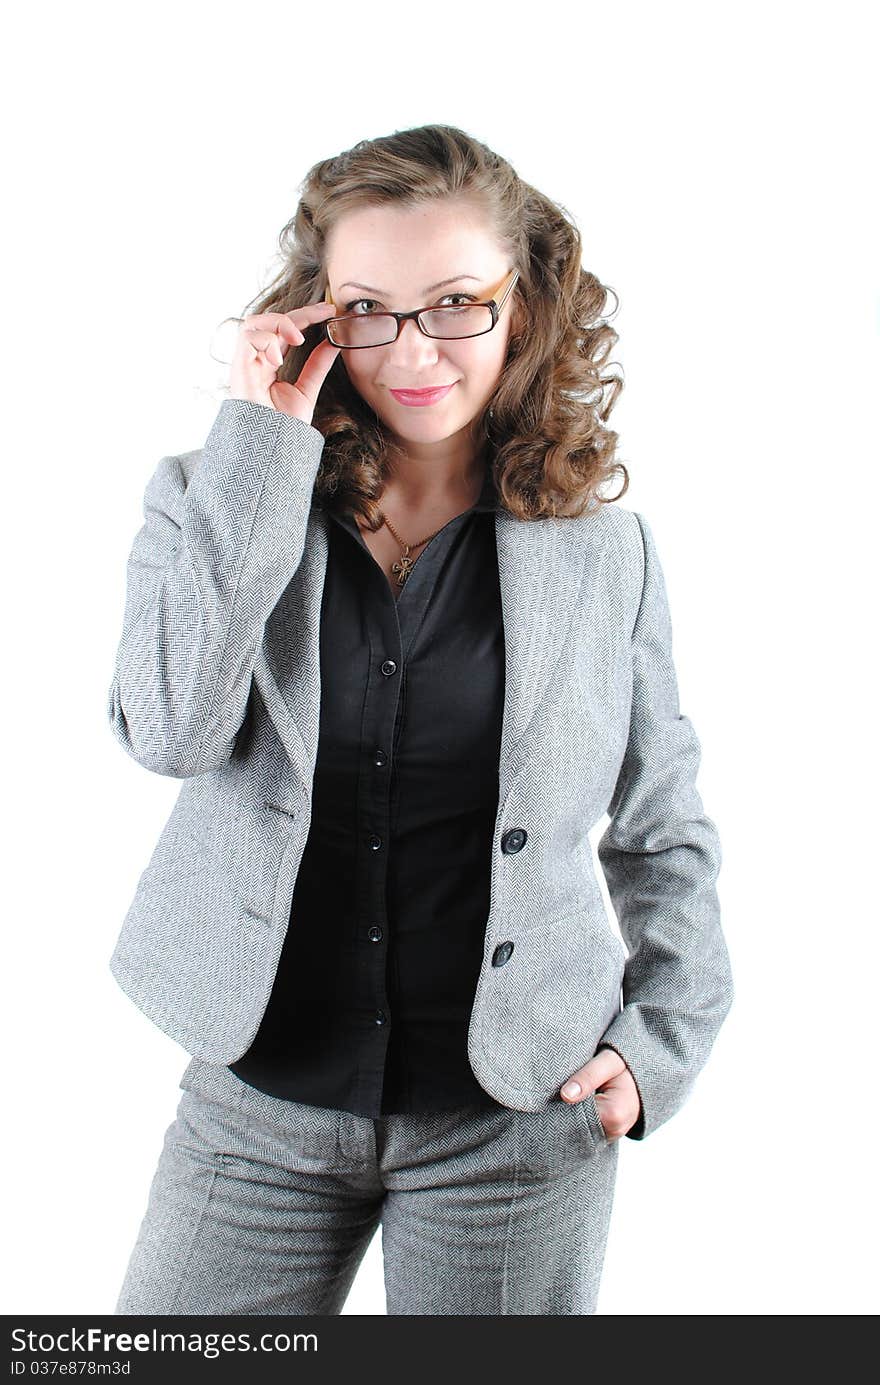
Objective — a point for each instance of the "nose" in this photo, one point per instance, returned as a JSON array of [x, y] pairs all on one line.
[[413, 342]]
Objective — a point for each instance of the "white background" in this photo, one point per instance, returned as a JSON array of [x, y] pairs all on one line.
[[721, 164]]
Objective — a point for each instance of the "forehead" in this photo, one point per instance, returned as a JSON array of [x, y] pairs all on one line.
[[411, 247]]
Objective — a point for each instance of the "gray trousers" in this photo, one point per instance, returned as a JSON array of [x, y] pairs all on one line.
[[264, 1206]]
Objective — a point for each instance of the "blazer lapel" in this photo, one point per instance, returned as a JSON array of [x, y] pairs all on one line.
[[288, 668], [541, 564], [540, 569]]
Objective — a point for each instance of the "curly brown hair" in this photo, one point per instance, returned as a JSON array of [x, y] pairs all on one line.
[[545, 423]]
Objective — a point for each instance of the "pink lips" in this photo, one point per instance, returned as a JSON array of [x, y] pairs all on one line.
[[416, 398]]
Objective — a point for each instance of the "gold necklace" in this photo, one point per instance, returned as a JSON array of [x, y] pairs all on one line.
[[405, 564]]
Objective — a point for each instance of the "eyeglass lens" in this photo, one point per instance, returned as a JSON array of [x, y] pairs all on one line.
[[379, 329]]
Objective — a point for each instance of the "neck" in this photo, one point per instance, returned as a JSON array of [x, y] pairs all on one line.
[[426, 480]]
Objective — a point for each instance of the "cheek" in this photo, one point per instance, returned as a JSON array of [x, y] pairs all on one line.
[[481, 369], [358, 373], [487, 372]]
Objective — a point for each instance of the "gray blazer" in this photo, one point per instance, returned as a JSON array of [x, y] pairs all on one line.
[[217, 683]]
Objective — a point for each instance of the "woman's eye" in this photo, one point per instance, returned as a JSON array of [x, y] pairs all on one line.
[[349, 307]]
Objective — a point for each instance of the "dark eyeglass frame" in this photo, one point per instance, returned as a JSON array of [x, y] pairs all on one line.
[[507, 284]]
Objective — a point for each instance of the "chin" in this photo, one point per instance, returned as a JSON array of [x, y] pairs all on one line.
[[422, 423]]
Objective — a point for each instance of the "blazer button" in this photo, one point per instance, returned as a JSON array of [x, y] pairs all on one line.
[[374, 933], [502, 954], [514, 840]]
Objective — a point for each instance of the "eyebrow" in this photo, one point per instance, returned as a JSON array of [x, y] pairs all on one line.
[[442, 285]]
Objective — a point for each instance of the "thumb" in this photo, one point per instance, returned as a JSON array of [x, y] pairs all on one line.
[[299, 399], [314, 372], [601, 1068]]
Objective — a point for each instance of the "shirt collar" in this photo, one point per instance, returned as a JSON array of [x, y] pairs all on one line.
[[488, 495]]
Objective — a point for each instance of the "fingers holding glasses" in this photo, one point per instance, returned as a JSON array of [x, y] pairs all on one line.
[[263, 341]]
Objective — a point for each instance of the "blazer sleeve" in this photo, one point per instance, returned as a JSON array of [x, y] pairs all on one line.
[[661, 855], [204, 573]]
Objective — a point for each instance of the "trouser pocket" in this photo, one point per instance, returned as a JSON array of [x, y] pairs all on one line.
[[243, 1123]]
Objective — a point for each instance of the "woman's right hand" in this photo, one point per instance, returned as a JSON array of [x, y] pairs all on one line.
[[263, 341]]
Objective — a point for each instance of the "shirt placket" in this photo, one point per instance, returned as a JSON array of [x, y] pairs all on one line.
[[392, 624], [385, 689]]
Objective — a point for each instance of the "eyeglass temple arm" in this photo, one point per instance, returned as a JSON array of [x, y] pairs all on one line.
[[507, 291]]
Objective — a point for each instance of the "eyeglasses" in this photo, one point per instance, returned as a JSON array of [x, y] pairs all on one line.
[[358, 330]]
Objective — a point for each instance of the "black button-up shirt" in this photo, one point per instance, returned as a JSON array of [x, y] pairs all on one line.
[[371, 1002]]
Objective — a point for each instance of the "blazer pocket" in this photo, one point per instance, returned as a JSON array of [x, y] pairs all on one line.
[[594, 1120]]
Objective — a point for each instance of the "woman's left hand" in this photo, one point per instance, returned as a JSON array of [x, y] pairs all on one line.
[[618, 1101]]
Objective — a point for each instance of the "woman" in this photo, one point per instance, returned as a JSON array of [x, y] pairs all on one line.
[[404, 656]]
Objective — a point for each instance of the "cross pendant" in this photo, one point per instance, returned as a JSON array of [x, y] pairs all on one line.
[[403, 567]]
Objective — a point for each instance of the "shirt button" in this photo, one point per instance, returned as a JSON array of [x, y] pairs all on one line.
[[375, 843], [380, 1016], [514, 840], [379, 758], [388, 667], [374, 933]]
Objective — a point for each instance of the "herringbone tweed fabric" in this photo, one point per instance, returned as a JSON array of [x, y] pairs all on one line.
[[217, 683]]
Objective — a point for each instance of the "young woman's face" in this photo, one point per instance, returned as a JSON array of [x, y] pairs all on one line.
[[392, 258]]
